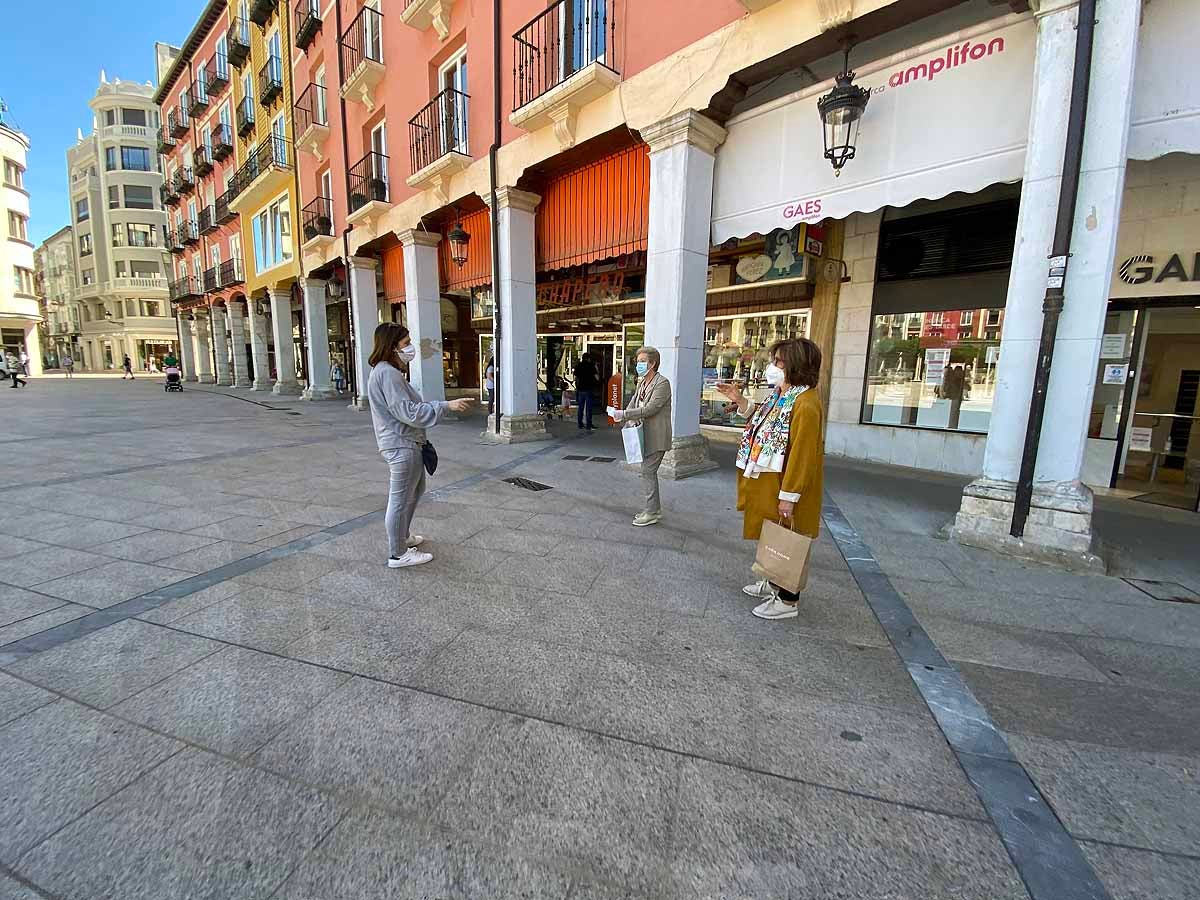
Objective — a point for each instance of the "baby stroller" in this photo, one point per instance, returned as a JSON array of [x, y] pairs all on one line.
[[174, 379]]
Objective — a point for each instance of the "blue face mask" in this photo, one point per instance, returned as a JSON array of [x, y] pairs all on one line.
[[643, 367]]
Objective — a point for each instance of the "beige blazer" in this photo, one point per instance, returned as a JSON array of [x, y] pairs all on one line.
[[655, 416]]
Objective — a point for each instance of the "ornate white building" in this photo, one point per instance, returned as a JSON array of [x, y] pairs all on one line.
[[19, 314]]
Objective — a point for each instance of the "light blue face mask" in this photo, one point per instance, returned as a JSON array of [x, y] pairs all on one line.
[[643, 367]]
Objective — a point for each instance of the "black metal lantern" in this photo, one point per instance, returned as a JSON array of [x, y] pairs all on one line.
[[841, 112], [459, 239]]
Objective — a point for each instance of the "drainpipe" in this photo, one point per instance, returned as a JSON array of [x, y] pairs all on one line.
[[1052, 306], [494, 217], [348, 228]]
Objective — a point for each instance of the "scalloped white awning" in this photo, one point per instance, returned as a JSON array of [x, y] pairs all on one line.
[[950, 115]]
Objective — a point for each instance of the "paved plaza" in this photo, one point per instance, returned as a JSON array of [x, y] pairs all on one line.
[[212, 687]]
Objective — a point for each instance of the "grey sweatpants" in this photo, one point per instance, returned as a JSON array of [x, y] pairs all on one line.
[[650, 464], [405, 487]]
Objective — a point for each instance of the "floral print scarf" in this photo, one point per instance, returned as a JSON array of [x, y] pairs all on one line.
[[765, 440]]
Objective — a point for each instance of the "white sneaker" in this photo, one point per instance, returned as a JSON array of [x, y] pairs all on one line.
[[776, 609], [641, 520], [413, 557], [415, 540], [760, 590]]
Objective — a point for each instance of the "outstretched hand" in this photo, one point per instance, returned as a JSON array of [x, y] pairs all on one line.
[[730, 391], [462, 404]]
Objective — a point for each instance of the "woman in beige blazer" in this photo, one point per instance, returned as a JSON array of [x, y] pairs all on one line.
[[651, 406]]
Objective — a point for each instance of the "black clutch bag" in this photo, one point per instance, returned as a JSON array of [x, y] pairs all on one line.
[[429, 457]]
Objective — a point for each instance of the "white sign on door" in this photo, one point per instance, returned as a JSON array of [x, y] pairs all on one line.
[[1112, 346], [1115, 374], [1140, 438]]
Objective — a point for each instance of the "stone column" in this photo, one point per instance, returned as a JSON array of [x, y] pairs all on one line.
[[682, 149], [221, 342], [1059, 527], [423, 300], [364, 314], [237, 341], [204, 368], [285, 345], [316, 330], [259, 342], [187, 348], [516, 364]]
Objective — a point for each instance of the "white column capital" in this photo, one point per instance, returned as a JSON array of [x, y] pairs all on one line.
[[1042, 8], [281, 291], [686, 127], [363, 264], [512, 198], [418, 237], [307, 283]]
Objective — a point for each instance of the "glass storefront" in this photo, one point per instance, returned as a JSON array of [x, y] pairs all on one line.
[[735, 349]]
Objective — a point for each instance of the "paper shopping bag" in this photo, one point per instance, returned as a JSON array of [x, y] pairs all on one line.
[[633, 443], [782, 557]]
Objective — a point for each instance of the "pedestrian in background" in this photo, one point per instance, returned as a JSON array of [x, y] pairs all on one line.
[[651, 407], [781, 458], [127, 365], [489, 385], [400, 418], [12, 368], [338, 376], [587, 382], [68, 364], [24, 358]]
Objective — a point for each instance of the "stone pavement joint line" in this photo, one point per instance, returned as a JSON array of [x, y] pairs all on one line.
[[1046, 856], [136, 606]]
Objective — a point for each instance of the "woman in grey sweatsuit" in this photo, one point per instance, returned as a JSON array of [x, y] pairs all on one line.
[[400, 418]]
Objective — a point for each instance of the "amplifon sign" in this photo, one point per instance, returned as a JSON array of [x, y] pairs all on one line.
[[953, 58]]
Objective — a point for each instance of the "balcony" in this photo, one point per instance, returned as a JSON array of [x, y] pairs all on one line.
[[266, 172], [437, 141], [425, 14], [261, 10], [222, 142], [212, 279], [168, 194], [361, 48], [308, 22], [565, 59], [186, 288], [231, 272], [245, 117], [223, 214], [201, 161], [174, 241], [166, 141], [208, 220], [312, 121], [185, 183], [199, 97], [368, 188], [216, 75], [190, 233], [317, 223], [179, 123], [238, 39], [270, 81]]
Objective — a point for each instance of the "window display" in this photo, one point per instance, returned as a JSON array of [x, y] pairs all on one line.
[[933, 369], [735, 349]]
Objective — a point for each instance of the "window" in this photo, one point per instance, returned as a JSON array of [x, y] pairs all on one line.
[[139, 196], [110, 117], [222, 57], [379, 161], [85, 245], [133, 117], [136, 159], [993, 318], [18, 226], [89, 276], [119, 267], [248, 91], [202, 80], [143, 269], [110, 159], [114, 197], [453, 76], [23, 280], [118, 236], [272, 229], [192, 213], [131, 308], [139, 235], [320, 110], [151, 308], [968, 317], [14, 175], [327, 184]]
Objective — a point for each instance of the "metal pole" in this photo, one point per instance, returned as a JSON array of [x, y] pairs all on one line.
[[353, 360], [495, 214], [1052, 306]]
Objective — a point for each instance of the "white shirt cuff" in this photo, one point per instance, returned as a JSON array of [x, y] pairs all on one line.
[[790, 498]]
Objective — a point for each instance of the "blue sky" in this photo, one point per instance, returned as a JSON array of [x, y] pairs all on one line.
[[51, 55]]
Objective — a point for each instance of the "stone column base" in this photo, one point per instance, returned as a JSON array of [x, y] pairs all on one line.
[[286, 389], [1058, 531], [516, 430], [688, 456], [243, 383], [191, 378], [224, 382], [316, 393], [362, 404], [207, 379], [261, 385]]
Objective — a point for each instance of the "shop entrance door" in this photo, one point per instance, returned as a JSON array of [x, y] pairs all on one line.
[[1148, 400]]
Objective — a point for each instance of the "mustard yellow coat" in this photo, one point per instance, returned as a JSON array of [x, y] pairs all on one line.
[[803, 474]]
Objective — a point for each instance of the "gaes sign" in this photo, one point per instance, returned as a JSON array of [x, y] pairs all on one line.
[[1142, 269]]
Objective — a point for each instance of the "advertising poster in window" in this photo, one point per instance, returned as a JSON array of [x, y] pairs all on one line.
[[935, 365]]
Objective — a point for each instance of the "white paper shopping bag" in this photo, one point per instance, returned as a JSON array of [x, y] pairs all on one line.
[[633, 443]]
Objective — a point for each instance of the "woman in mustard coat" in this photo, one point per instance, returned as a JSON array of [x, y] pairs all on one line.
[[781, 458]]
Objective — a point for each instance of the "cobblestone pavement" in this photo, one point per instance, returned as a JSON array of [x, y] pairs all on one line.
[[212, 687]]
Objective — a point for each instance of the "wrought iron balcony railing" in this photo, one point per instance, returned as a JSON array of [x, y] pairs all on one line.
[[231, 272], [222, 141], [439, 128], [569, 36], [317, 218], [362, 41], [308, 22], [311, 108], [166, 140], [224, 215], [179, 122], [245, 116], [216, 74], [201, 161], [270, 81], [208, 220], [185, 182], [261, 10], [238, 40], [368, 181]]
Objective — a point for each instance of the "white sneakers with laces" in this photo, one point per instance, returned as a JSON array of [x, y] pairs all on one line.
[[416, 540], [776, 609], [760, 590], [413, 557]]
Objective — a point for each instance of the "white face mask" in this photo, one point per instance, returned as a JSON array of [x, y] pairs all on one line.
[[407, 354], [774, 375]]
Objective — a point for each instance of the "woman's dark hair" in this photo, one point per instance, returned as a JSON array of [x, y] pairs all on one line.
[[801, 361], [387, 336]]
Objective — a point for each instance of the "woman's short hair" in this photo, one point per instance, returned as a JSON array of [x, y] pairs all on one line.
[[654, 357], [801, 361], [387, 336]]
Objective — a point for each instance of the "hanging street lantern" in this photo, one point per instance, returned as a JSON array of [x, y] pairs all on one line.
[[841, 112], [459, 239]]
